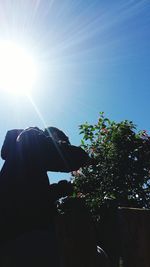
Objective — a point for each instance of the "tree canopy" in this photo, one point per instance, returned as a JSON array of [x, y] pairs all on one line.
[[120, 173]]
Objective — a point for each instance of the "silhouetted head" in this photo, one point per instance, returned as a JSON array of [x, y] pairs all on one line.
[[25, 146], [48, 150]]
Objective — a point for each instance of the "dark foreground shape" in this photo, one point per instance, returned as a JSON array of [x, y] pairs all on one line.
[[69, 242], [24, 185], [27, 229], [35, 248]]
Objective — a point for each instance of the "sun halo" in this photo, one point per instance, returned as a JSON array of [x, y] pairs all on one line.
[[18, 71]]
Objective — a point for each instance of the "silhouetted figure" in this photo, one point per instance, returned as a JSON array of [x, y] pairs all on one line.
[[24, 185]]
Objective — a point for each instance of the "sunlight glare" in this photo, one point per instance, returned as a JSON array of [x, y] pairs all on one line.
[[18, 70]]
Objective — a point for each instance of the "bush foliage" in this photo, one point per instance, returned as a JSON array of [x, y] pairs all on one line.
[[120, 173]]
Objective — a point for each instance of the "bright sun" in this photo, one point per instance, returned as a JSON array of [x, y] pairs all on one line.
[[18, 70]]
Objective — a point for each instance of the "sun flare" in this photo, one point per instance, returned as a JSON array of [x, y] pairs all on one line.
[[18, 70]]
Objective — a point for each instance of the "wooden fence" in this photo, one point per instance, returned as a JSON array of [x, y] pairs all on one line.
[[76, 238], [135, 236], [123, 233]]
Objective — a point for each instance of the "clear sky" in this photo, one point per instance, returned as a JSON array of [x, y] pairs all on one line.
[[91, 55]]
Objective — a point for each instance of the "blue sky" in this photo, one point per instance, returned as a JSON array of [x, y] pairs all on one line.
[[92, 55]]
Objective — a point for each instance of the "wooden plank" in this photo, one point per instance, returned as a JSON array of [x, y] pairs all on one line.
[[135, 237]]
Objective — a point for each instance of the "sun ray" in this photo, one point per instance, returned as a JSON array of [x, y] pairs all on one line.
[[37, 110]]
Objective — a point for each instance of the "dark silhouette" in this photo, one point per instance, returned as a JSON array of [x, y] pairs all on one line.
[[26, 197]]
